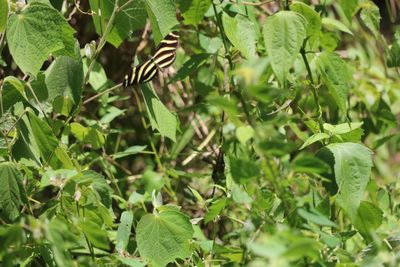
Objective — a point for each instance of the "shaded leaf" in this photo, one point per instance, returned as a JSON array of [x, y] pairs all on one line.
[[12, 192], [193, 10], [336, 77]]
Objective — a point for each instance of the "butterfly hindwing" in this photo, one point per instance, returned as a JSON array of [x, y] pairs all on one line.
[[163, 57]]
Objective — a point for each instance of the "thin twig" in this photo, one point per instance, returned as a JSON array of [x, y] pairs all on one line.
[[102, 93], [252, 3]]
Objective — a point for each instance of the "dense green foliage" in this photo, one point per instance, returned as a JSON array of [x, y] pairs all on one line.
[[273, 140]]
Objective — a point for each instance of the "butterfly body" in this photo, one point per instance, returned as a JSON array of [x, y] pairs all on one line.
[[163, 57]]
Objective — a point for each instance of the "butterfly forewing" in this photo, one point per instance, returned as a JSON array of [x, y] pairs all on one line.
[[163, 57]]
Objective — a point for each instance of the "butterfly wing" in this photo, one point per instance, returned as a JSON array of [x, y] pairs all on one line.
[[166, 51], [163, 57]]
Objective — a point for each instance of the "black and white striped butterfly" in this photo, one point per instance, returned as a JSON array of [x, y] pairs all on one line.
[[163, 57]]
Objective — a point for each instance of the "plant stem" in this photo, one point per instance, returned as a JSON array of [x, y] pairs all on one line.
[[103, 40], [313, 89], [228, 56]]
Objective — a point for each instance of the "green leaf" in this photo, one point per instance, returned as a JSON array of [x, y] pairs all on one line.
[[284, 34], [3, 14], [160, 117], [44, 137], [112, 113], [162, 17], [59, 236], [13, 92], [215, 209], [124, 231], [87, 135], [127, 20], [12, 192], [352, 168], [394, 51], [98, 183], [193, 10], [96, 235], [314, 138], [333, 24], [243, 170], [131, 262], [163, 237], [371, 17], [64, 77], [241, 33], [129, 151], [349, 7], [8, 133], [369, 218], [336, 76], [244, 133], [309, 164], [316, 217], [97, 77], [193, 63], [35, 33], [313, 20]]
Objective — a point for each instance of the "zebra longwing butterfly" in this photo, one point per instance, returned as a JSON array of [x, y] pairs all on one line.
[[162, 58]]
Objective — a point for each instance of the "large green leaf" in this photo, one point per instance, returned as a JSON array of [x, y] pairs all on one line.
[[163, 237], [64, 78], [124, 230], [35, 33], [371, 17], [160, 117], [132, 17], [336, 77], [3, 14], [369, 218], [352, 169], [284, 34], [193, 10], [313, 20], [162, 17], [12, 192], [241, 33], [44, 137]]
